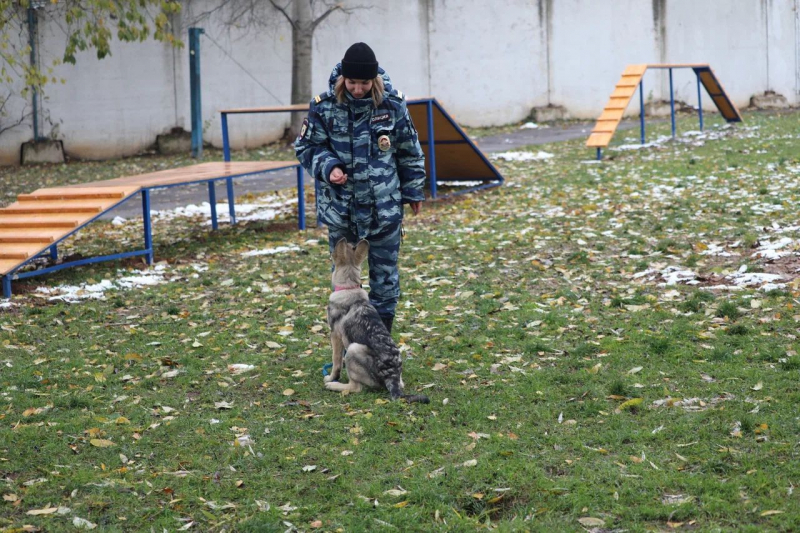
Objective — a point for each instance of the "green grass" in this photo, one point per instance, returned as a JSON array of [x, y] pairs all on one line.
[[530, 315]]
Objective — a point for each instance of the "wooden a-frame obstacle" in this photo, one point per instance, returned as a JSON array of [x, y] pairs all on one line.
[[451, 158], [632, 79]]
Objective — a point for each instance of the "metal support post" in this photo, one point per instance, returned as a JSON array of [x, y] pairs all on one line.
[[599, 153], [672, 103], [301, 199], [699, 102], [194, 83], [226, 147], [148, 231], [431, 150], [231, 203], [212, 199], [7, 286], [641, 109], [34, 93], [54, 252]]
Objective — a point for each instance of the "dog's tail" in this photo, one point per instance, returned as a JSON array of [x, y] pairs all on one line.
[[396, 392]]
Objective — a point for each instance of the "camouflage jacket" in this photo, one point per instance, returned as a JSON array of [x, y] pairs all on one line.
[[379, 180]]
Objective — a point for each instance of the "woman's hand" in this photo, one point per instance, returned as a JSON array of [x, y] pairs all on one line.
[[415, 207], [338, 177]]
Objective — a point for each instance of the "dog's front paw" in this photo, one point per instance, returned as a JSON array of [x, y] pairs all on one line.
[[332, 385], [329, 378]]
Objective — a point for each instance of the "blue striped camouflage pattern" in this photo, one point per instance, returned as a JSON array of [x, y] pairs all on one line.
[[378, 181]]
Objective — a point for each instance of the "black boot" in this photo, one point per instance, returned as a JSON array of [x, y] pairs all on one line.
[[387, 321]]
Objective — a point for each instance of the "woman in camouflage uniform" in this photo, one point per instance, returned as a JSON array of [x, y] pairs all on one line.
[[360, 143]]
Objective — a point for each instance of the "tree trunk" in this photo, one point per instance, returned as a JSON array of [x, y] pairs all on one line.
[[302, 41]]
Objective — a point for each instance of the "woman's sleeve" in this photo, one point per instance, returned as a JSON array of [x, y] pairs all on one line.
[[313, 149], [410, 159]]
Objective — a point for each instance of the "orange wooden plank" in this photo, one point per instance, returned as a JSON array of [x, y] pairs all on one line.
[[605, 126], [623, 92], [634, 70], [78, 192], [629, 81], [40, 221], [6, 265], [19, 251], [599, 140], [725, 107], [287, 108], [611, 114], [33, 208], [710, 83], [677, 65], [203, 171]]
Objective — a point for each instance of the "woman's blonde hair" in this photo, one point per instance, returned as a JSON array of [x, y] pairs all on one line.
[[376, 92]]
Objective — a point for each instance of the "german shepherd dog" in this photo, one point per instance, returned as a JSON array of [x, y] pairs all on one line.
[[373, 359]]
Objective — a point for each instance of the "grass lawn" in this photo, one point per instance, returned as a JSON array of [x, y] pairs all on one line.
[[607, 346]]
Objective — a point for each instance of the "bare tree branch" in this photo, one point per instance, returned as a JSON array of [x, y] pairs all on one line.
[[285, 14], [325, 15], [24, 116]]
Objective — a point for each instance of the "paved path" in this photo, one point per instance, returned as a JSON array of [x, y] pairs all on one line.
[[196, 194]]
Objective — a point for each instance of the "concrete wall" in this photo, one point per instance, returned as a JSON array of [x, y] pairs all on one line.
[[488, 63]]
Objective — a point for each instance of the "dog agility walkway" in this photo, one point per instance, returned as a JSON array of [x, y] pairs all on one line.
[[34, 225]]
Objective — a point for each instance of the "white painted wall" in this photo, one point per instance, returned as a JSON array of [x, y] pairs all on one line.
[[489, 63]]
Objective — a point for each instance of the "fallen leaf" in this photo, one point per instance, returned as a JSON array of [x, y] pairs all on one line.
[[10, 497], [288, 392], [316, 524], [401, 504], [635, 369], [309, 468], [82, 523], [471, 462], [770, 513], [223, 405], [45, 510], [273, 345], [439, 366], [630, 404], [590, 521], [101, 443], [396, 492], [757, 386]]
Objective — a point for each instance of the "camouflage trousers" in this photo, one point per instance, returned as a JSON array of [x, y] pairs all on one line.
[[384, 279]]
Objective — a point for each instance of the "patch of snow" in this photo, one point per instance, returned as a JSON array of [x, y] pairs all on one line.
[[271, 251], [529, 126], [523, 156], [775, 250], [96, 291]]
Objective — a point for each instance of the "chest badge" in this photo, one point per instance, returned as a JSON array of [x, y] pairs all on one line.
[[384, 143]]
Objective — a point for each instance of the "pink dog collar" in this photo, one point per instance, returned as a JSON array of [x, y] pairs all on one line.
[[337, 289]]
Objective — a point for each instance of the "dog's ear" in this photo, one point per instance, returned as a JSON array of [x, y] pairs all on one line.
[[362, 250], [340, 251]]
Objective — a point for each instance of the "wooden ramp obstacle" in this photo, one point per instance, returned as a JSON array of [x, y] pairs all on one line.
[[451, 158], [36, 223], [631, 80]]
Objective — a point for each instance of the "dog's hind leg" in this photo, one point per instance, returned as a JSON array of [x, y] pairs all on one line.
[[338, 349], [358, 364]]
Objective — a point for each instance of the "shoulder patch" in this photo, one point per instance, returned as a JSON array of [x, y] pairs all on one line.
[[321, 97]]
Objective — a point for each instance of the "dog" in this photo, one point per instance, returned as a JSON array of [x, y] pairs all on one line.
[[373, 359]]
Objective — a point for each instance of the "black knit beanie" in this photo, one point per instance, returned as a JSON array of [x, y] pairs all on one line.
[[359, 63]]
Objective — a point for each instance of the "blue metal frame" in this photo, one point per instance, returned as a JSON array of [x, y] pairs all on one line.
[[699, 101], [641, 109], [194, 87], [671, 103], [431, 147], [147, 229]]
